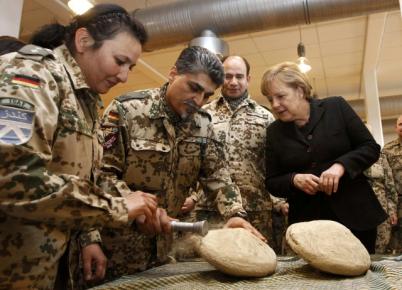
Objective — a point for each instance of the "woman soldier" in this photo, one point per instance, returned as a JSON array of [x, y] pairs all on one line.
[[49, 144]]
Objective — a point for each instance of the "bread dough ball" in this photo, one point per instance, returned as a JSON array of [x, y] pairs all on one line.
[[237, 252], [329, 246]]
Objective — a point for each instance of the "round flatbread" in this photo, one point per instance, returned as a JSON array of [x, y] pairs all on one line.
[[237, 252], [329, 246]]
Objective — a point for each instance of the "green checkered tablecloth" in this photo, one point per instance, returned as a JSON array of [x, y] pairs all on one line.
[[291, 273]]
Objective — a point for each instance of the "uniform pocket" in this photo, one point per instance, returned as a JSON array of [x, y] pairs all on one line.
[[147, 164], [71, 122]]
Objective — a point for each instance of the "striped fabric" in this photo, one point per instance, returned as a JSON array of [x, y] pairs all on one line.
[[291, 273]]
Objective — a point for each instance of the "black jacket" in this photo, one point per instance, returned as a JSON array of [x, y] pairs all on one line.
[[334, 134]]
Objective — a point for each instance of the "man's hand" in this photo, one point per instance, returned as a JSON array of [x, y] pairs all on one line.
[[141, 203], [393, 219], [188, 205], [92, 255], [309, 183], [285, 208], [238, 222], [159, 223], [329, 179]]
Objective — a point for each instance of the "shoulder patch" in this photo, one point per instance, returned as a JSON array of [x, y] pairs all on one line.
[[34, 52], [132, 96], [265, 107], [205, 113], [16, 121], [26, 81]]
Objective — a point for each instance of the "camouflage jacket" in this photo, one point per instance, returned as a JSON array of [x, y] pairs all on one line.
[[49, 148], [144, 151], [243, 132], [381, 179], [393, 152]]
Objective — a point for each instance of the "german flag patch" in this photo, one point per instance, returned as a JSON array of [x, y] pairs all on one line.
[[26, 81], [113, 116]]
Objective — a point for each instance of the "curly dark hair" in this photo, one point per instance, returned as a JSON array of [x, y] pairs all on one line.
[[103, 21]]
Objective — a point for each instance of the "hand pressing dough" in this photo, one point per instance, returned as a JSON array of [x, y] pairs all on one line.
[[237, 252], [329, 246]]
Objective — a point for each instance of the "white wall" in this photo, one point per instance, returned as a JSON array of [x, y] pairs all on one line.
[[10, 17]]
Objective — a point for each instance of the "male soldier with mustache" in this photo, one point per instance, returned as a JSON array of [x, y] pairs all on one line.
[[160, 141]]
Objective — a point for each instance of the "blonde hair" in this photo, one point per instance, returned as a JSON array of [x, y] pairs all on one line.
[[289, 74]]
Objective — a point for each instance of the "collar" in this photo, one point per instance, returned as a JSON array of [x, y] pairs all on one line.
[[72, 67], [245, 102], [75, 73], [316, 112], [157, 109]]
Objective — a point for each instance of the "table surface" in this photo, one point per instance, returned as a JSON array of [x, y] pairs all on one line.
[[291, 273]]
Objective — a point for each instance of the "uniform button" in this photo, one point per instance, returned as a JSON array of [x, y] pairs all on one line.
[[309, 137]]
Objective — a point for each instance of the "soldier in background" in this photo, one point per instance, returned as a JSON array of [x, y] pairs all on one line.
[[381, 179], [49, 143], [393, 153], [240, 124], [160, 142]]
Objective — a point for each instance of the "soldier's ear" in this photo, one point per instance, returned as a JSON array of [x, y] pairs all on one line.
[[83, 40], [172, 74]]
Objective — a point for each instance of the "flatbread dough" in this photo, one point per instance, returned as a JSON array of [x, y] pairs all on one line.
[[237, 252], [329, 246]]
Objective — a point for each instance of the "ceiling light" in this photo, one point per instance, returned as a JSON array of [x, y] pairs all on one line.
[[302, 62], [210, 41], [80, 6]]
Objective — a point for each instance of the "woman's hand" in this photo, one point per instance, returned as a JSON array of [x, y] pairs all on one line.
[[159, 223], [93, 258], [329, 179], [309, 183], [141, 203]]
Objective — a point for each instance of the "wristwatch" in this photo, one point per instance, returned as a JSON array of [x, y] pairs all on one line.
[[241, 214]]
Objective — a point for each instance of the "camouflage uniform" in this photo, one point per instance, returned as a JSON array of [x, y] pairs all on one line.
[[393, 152], [49, 147], [144, 150], [381, 179], [243, 131]]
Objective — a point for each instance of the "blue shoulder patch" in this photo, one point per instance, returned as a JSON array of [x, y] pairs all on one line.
[[16, 125]]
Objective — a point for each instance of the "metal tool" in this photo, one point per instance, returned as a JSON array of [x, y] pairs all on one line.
[[200, 228]]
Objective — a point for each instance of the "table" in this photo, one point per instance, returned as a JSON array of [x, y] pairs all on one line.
[[291, 273]]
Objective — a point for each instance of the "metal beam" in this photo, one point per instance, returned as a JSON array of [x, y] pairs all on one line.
[[374, 37]]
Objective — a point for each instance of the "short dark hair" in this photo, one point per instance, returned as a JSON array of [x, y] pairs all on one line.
[[10, 44], [197, 59], [244, 60], [103, 21]]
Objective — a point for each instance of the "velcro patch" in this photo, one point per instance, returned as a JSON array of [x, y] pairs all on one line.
[[16, 125], [17, 103], [26, 81], [111, 134]]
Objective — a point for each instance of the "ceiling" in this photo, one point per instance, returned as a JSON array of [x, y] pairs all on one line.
[[339, 51]]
